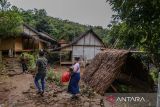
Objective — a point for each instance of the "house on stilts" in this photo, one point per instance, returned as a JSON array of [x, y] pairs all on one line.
[[28, 40]]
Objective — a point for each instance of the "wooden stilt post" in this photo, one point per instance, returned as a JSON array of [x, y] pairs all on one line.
[[60, 61], [60, 57], [0, 56], [28, 43], [0, 53]]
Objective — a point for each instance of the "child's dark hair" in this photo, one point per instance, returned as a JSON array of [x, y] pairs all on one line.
[[41, 53], [76, 58], [71, 69]]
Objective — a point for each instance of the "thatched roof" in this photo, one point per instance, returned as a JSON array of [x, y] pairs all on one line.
[[107, 66]]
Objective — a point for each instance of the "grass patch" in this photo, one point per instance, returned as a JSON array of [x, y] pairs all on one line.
[[54, 77]]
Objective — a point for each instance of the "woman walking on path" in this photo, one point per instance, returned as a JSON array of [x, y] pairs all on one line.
[[73, 86]]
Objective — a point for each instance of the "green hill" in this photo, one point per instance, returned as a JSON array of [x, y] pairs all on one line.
[[60, 29]]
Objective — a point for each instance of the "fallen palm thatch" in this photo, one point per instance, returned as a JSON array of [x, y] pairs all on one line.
[[111, 65]]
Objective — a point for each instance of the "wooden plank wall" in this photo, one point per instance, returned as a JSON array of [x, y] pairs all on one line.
[[87, 47], [7, 44]]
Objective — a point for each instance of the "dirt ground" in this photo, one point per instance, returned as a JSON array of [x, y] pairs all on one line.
[[12, 89], [19, 91]]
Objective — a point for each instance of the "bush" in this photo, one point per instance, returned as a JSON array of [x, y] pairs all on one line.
[[53, 58], [54, 77], [50, 75], [31, 60], [57, 79], [154, 74]]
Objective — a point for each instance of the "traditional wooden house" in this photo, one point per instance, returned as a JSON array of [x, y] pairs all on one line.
[[28, 40], [85, 46]]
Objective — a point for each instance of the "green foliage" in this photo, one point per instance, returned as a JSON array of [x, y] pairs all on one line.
[[4, 5], [50, 75], [44, 25], [10, 22], [53, 58], [139, 15], [154, 74], [123, 88], [54, 77], [31, 60], [60, 29], [123, 36], [139, 25], [57, 79]]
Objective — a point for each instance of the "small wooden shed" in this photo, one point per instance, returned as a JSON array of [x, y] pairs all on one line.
[[85, 46]]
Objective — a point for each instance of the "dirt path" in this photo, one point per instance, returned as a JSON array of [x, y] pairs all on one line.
[[19, 91], [20, 83], [12, 90]]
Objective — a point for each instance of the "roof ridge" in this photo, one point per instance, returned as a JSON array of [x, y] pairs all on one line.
[[39, 33], [48, 35], [84, 34], [33, 29]]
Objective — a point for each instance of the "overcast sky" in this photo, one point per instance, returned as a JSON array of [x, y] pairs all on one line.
[[89, 12]]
